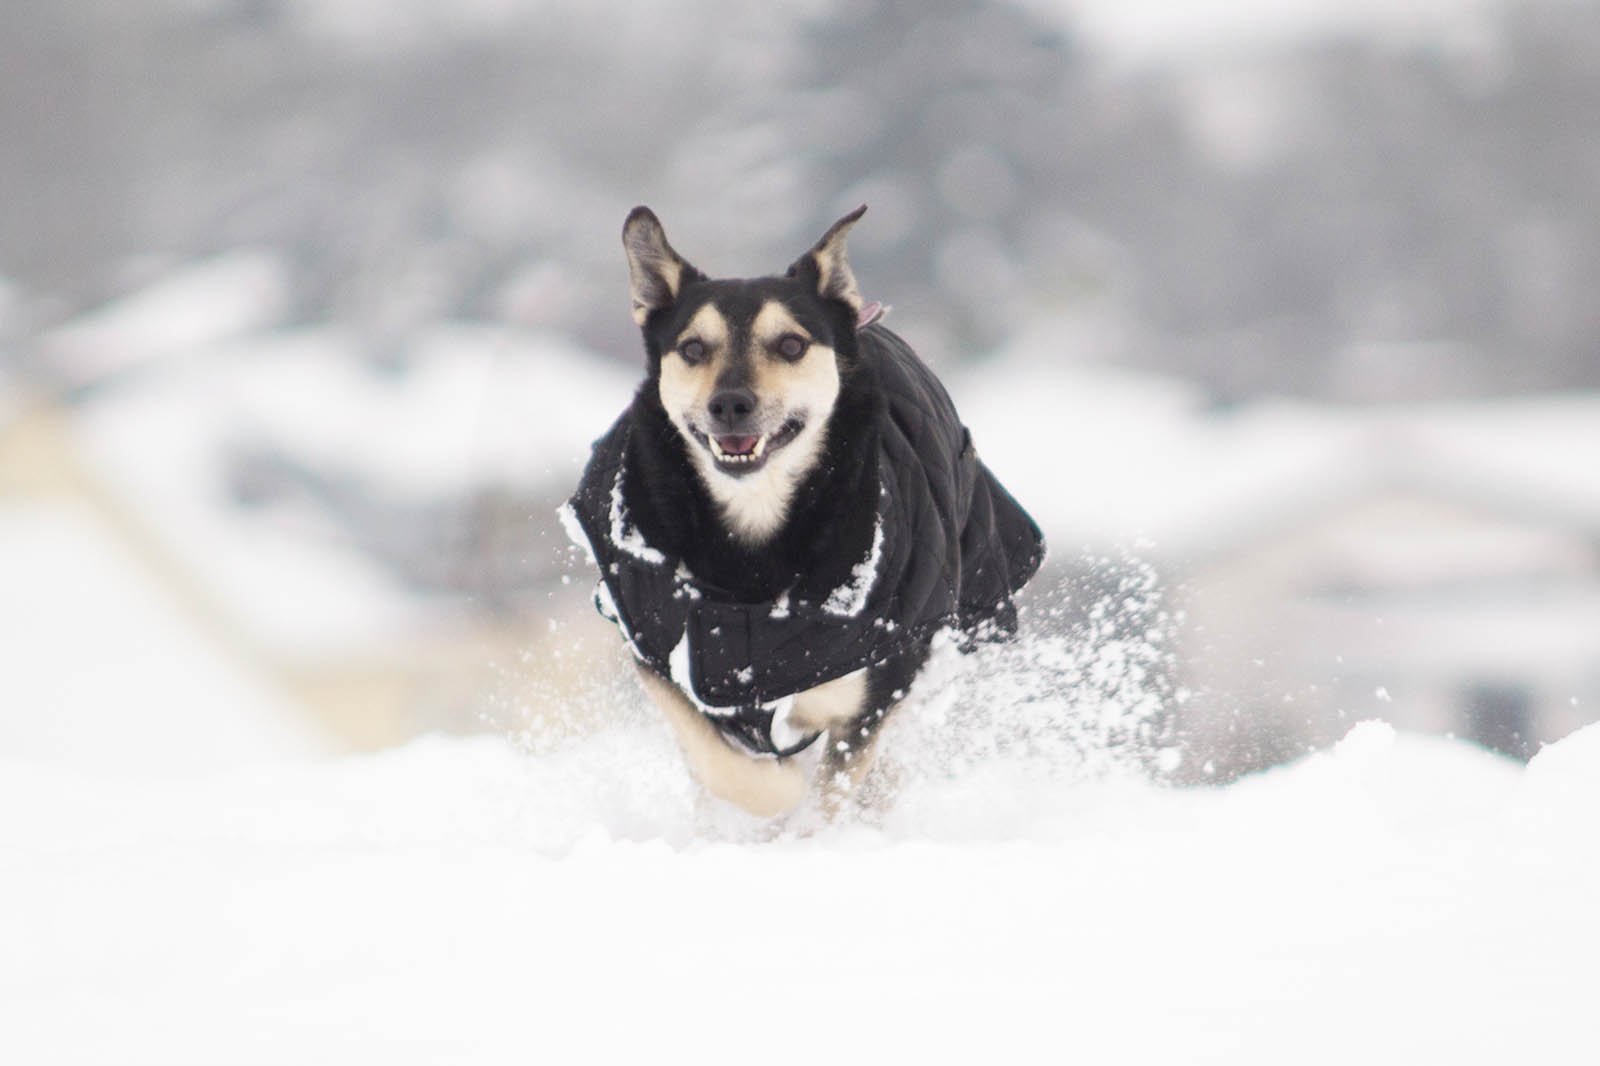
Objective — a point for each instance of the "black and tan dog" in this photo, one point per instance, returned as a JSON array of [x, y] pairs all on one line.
[[784, 517]]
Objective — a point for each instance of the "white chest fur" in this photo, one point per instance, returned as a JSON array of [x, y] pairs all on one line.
[[756, 505]]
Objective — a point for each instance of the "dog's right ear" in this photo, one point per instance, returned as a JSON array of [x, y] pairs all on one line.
[[827, 268], [656, 273]]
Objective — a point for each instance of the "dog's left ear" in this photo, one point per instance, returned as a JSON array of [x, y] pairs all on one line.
[[656, 273], [827, 268]]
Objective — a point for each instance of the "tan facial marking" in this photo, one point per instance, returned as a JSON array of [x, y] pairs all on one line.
[[813, 381], [685, 389], [756, 504], [772, 322], [708, 326]]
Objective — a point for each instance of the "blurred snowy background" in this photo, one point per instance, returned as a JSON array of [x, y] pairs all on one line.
[[310, 308]]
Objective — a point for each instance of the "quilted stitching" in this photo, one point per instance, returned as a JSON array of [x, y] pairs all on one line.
[[956, 547]]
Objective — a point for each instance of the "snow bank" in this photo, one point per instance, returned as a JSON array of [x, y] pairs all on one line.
[[1028, 894], [100, 670], [202, 304], [1397, 898], [1563, 789], [476, 408]]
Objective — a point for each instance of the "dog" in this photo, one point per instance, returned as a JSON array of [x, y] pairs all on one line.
[[784, 518]]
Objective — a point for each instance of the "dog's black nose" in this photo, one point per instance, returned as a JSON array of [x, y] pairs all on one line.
[[730, 407]]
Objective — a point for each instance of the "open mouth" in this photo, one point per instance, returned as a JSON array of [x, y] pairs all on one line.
[[738, 453]]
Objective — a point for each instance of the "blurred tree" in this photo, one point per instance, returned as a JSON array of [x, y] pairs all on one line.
[[1345, 217], [960, 122]]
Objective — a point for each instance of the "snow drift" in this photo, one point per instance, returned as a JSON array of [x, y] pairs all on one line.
[[1394, 899]]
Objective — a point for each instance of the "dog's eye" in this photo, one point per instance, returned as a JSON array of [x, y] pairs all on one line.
[[792, 346], [692, 351]]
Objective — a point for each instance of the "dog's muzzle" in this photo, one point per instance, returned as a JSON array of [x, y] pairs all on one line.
[[745, 452]]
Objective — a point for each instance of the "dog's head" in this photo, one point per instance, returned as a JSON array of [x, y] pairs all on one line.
[[747, 370]]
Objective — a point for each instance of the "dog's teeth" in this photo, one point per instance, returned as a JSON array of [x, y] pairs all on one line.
[[737, 457]]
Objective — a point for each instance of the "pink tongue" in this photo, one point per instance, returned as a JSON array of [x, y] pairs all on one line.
[[737, 445]]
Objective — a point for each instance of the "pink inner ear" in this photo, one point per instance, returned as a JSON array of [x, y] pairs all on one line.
[[870, 313]]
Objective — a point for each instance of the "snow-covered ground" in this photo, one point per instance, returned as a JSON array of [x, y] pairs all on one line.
[[168, 897], [476, 408], [1397, 899], [100, 669]]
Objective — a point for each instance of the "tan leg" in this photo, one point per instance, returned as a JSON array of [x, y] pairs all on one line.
[[764, 787], [849, 758], [835, 707]]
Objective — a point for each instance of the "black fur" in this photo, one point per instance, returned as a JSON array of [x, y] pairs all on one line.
[[830, 520], [829, 525], [895, 464]]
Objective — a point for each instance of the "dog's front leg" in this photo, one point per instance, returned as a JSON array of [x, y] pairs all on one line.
[[764, 787], [850, 756]]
